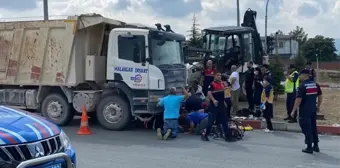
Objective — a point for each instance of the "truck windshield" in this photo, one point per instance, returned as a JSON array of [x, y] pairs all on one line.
[[168, 53]]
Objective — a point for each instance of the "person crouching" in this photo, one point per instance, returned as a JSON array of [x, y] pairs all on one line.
[[172, 104]]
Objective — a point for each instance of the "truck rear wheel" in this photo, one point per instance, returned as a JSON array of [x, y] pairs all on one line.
[[56, 108], [113, 113]]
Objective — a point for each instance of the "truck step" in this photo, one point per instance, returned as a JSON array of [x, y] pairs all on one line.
[[141, 112]]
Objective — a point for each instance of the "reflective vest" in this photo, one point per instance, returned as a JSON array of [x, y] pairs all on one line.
[[289, 85]]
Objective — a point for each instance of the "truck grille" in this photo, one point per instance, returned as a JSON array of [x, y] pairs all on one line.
[[174, 75], [32, 150]]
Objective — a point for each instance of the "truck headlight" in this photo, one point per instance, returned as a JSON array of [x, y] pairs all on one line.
[[65, 140]]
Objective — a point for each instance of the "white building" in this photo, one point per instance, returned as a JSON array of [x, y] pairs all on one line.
[[287, 46]]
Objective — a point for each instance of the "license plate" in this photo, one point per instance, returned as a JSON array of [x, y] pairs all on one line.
[[54, 166]]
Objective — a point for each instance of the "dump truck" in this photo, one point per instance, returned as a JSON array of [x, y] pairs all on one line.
[[117, 70]]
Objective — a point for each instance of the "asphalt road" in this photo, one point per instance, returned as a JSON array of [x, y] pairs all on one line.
[[141, 149]]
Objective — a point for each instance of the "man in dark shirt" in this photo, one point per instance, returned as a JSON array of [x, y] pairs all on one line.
[[307, 94], [217, 108], [249, 80], [266, 72], [207, 76], [311, 70]]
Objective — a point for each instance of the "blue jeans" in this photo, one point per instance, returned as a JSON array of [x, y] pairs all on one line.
[[171, 124]]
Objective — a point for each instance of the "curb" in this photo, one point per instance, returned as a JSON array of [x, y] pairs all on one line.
[[283, 126], [329, 86]]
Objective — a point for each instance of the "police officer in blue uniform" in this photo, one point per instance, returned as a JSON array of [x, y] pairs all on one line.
[[307, 94]]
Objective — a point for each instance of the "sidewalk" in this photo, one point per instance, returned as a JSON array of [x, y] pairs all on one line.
[[292, 127]]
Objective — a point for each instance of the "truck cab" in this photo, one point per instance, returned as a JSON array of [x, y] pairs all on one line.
[[149, 61]]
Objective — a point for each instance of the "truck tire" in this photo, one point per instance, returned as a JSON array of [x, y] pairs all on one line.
[[113, 113], [56, 108]]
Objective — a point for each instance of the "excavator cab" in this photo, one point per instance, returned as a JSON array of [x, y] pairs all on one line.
[[233, 45], [229, 45]]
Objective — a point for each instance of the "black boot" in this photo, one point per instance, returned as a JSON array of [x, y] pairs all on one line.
[[308, 150], [287, 118], [292, 120], [316, 148]]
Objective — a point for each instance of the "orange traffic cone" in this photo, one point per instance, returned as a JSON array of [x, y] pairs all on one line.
[[84, 124]]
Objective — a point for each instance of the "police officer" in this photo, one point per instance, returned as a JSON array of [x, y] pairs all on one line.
[[308, 66], [307, 94], [216, 95], [291, 84], [207, 76], [249, 81]]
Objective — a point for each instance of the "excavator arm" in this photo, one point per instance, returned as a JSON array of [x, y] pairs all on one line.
[[249, 20]]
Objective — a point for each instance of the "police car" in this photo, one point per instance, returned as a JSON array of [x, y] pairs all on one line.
[[28, 140]]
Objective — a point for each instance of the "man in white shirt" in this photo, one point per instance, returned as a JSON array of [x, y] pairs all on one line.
[[234, 79]]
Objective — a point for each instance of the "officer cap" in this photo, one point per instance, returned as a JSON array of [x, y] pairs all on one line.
[[304, 71]]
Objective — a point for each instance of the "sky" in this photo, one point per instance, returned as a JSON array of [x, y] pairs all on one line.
[[317, 17]]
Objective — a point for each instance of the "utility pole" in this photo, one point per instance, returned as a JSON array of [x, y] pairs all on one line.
[[45, 10], [277, 44], [238, 12], [317, 67], [265, 27]]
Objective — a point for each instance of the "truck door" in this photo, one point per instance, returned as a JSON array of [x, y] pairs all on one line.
[[129, 64]]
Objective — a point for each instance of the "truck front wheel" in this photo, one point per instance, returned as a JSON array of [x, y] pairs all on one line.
[[113, 113], [56, 108]]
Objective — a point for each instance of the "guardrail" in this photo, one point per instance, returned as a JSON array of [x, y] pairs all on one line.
[[45, 159]]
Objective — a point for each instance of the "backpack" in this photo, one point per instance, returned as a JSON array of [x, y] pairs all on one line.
[[235, 129]]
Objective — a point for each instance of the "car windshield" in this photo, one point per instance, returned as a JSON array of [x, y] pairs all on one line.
[[168, 53]]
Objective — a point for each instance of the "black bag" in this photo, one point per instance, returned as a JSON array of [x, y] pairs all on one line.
[[234, 129], [243, 112]]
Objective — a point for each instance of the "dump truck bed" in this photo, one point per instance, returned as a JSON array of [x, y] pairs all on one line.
[[49, 52]]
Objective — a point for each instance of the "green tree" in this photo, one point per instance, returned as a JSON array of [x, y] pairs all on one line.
[[300, 61], [277, 70], [195, 38], [322, 46], [299, 35]]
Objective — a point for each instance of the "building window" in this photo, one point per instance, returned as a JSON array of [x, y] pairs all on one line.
[[281, 44]]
